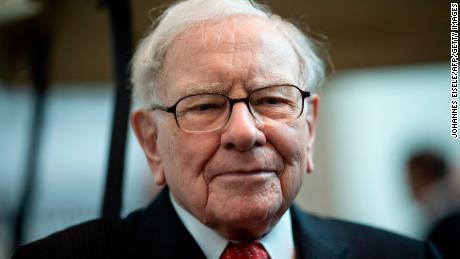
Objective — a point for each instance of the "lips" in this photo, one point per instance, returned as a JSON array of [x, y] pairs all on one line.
[[237, 164], [244, 173], [242, 167]]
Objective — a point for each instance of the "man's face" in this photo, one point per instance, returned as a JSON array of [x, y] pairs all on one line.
[[238, 180]]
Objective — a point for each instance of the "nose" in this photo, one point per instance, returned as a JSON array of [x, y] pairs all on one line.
[[242, 131]]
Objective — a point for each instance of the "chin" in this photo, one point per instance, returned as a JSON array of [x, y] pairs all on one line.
[[245, 220]]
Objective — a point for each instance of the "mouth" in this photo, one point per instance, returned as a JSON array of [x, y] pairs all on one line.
[[257, 165], [245, 173]]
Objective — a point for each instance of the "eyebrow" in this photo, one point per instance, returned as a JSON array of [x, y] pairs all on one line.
[[211, 88], [219, 88], [276, 81]]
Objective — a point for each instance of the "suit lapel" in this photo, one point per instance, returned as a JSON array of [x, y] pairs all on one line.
[[161, 234], [311, 241]]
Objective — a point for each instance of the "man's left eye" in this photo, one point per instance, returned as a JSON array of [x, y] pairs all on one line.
[[270, 101]]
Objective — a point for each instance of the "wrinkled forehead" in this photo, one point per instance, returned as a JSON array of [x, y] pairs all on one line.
[[236, 30], [199, 50]]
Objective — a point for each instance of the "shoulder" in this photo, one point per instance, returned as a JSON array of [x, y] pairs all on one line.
[[356, 240], [346, 230], [444, 234], [92, 239], [152, 232]]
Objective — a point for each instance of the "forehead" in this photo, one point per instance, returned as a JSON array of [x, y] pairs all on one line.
[[217, 55]]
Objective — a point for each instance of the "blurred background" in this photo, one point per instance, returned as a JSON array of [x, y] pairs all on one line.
[[387, 99]]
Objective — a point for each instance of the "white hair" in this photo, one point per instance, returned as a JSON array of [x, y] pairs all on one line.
[[149, 56]]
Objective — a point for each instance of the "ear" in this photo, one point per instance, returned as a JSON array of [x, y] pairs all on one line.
[[144, 127], [312, 117]]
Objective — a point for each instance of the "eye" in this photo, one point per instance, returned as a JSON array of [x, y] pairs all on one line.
[[204, 107], [270, 101]]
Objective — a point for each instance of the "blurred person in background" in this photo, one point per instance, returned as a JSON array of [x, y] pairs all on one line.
[[436, 187], [227, 117]]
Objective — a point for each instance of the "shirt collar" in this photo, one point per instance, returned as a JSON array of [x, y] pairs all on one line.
[[278, 243]]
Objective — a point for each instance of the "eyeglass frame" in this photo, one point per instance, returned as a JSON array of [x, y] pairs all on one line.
[[232, 101]]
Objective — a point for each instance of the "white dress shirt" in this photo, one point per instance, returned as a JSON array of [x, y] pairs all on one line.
[[278, 243]]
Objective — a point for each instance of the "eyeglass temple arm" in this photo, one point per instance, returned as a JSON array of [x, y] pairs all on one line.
[[171, 109], [305, 94]]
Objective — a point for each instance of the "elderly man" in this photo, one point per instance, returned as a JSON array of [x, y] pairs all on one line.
[[227, 124]]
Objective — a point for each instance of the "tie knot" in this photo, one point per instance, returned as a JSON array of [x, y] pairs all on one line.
[[251, 250]]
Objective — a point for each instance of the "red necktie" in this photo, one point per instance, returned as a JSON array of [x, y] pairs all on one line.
[[245, 251]]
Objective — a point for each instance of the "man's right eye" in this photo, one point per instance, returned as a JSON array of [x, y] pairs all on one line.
[[204, 107]]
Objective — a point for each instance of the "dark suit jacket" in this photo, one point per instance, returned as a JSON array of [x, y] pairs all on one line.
[[157, 232], [445, 234]]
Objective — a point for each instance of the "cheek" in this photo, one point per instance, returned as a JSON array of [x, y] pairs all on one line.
[[186, 155], [183, 163], [290, 140]]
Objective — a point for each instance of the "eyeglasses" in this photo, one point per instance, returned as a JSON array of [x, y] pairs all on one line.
[[211, 111]]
